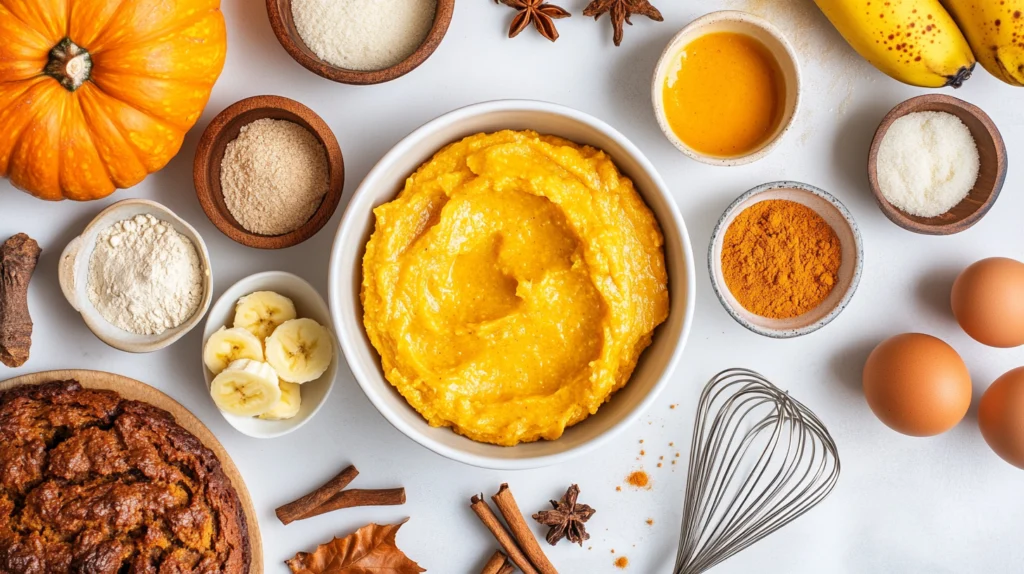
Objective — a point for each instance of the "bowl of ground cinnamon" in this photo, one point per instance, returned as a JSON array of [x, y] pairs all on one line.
[[785, 259], [268, 172]]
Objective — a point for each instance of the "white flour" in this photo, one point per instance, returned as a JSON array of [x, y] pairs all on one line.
[[145, 277], [363, 34]]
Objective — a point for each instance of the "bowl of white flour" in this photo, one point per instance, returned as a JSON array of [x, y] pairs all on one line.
[[139, 275]]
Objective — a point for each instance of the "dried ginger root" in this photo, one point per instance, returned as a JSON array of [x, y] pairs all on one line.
[[18, 258]]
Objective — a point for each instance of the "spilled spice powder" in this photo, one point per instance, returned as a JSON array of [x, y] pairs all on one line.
[[618, 489], [621, 562], [650, 522], [638, 479], [780, 259], [642, 453], [659, 465]]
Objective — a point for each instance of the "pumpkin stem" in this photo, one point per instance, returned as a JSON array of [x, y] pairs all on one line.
[[69, 64]]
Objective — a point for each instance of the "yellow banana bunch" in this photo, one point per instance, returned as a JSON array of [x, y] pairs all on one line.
[[914, 41], [995, 30]]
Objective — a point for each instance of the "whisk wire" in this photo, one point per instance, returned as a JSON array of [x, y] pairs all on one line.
[[758, 460]]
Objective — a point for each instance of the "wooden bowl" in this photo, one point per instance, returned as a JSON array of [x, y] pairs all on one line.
[[992, 172], [280, 14], [224, 129]]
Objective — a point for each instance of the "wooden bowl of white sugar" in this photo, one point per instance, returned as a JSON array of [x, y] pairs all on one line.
[[268, 172], [936, 164], [360, 41]]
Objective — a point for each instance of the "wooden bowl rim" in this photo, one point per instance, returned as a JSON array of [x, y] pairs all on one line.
[[896, 215], [442, 20], [225, 222]]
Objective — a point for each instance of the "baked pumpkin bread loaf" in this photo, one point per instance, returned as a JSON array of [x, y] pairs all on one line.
[[93, 483]]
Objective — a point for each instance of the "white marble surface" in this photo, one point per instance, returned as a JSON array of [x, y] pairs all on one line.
[[945, 504]]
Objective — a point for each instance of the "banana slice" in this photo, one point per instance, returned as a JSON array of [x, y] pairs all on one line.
[[300, 350], [288, 406], [261, 312], [246, 388], [228, 345]]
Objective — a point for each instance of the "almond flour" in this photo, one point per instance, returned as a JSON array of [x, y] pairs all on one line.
[[144, 276], [363, 35], [274, 176]]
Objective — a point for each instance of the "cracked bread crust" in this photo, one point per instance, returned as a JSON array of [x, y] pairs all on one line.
[[93, 483]]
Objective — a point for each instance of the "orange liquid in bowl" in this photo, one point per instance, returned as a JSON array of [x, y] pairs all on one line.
[[726, 95]]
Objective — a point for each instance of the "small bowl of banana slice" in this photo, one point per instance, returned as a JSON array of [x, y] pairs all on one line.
[[269, 354]]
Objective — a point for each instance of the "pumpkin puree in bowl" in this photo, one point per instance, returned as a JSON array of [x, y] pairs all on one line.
[[512, 285], [726, 95]]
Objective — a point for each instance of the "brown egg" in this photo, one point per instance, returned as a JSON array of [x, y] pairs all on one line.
[[1001, 417], [917, 384], [988, 301]]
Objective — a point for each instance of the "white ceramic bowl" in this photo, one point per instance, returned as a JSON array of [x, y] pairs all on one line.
[[309, 305], [742, 23], [73, 274], [383, 183], [836, 215]]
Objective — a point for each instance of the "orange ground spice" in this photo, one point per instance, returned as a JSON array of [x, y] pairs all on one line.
[[638, 478], [780, 259], [621, 562]]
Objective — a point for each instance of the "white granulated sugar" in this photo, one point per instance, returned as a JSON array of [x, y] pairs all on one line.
[[144, 276], [363, 35], [274, 176], [927, 163]]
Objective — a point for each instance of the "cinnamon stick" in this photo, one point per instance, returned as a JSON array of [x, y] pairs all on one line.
[[496, 563], [356, 497], [507, 568], [487, 516], [296, 510], [506, 504]]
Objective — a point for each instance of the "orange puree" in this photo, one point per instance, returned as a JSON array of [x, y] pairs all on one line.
[[726, 95]]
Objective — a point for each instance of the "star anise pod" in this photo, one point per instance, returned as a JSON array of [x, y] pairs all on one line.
[[542, 15], [620, 11], [567, 518]]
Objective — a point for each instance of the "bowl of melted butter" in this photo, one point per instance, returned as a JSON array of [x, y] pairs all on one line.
[[726, 88]]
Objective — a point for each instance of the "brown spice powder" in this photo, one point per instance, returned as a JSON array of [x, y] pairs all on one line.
[[621, 562], [274, 176], [780, 259], [638, 479]]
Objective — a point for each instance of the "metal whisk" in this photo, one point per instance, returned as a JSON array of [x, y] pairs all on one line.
[[758, 460]]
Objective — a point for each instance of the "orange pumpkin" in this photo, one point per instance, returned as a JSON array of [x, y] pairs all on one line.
[[97, 94]]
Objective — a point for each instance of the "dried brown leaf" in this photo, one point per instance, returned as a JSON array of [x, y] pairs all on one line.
[[371, 549]]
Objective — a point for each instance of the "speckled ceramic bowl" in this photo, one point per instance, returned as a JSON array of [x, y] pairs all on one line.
[[741, 23], [835, 214], [73, 274]]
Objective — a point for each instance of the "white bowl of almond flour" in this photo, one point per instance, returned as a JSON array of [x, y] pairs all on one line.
[[139, 275]]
